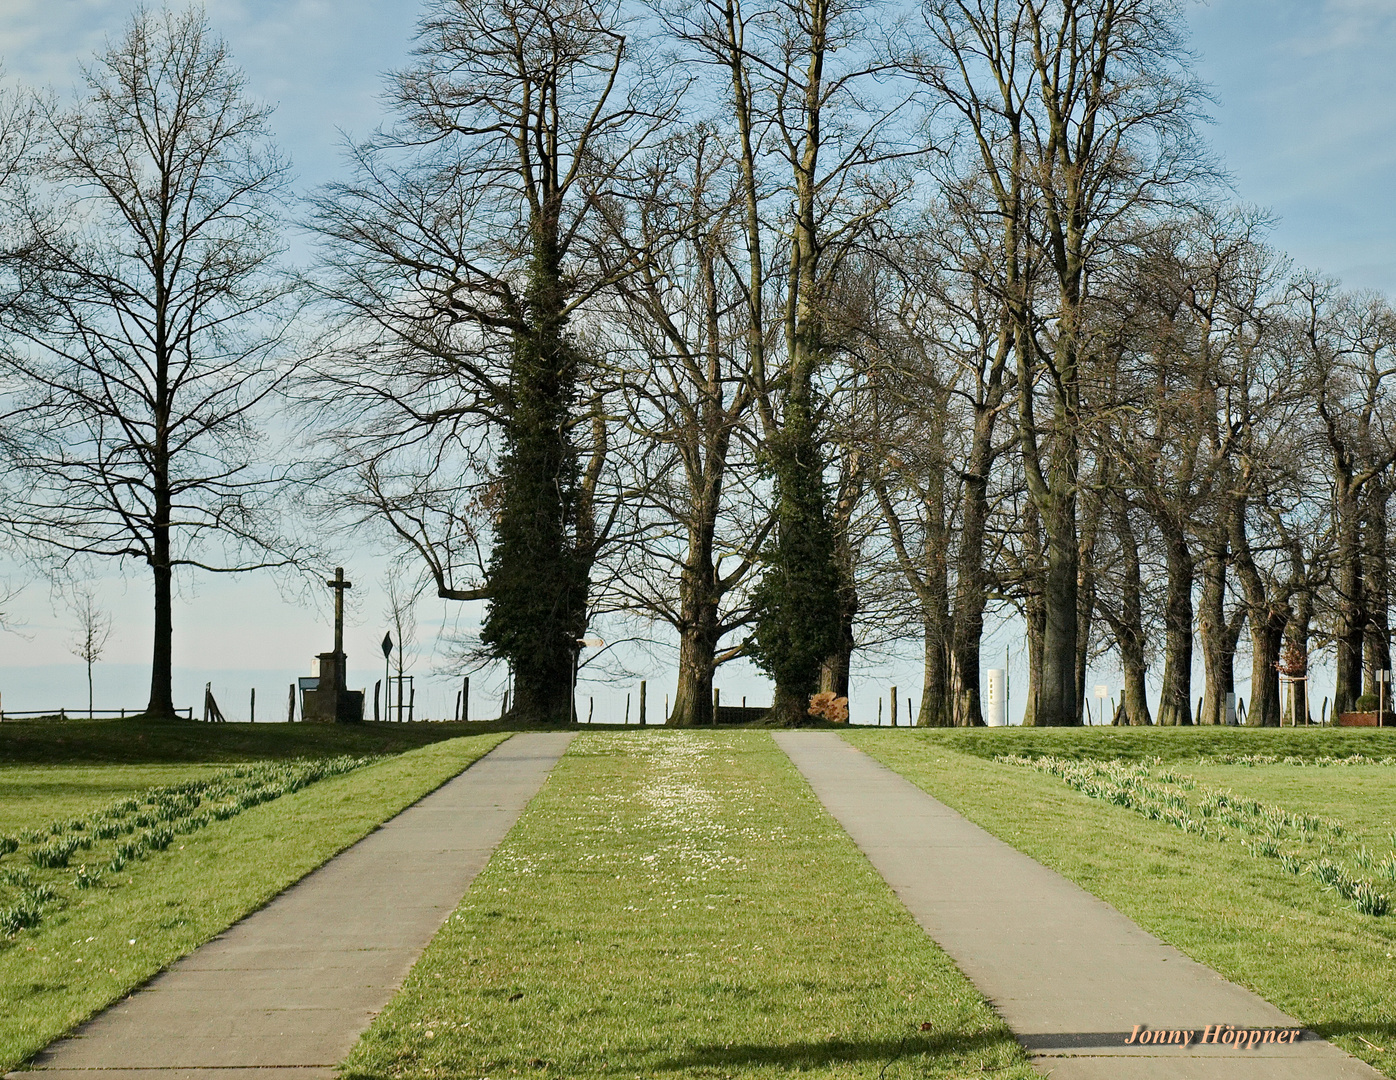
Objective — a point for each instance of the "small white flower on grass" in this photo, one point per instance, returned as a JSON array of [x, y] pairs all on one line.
[[131, 942]]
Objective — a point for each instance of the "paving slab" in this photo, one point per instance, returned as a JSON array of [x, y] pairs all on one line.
[[1069, 974], [285, 993]]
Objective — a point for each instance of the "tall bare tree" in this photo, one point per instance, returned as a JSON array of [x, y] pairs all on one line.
[[458, 257], [148, 322], [813, 132], [1079, 114], [680, 360]]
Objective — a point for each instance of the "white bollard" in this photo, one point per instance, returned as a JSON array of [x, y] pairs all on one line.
[[995, 707]]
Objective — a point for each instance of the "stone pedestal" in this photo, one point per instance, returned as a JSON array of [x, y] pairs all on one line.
[[330, 702]]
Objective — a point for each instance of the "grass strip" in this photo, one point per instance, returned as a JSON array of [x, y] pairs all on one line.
[[1303, 949], [119, 837], [1168, 744], [33, 795], [1302, 843], [116, 935], [150, 742], [678, 904]]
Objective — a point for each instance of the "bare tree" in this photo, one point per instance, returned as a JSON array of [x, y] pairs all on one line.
[[699, 506], [148, 322], [403, 590], [1348, 344], [813, 127], [90, 639], [940, 397], [459, 256], [1079, 114]]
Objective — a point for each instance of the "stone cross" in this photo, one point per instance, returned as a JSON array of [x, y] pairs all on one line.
[[339, 585]]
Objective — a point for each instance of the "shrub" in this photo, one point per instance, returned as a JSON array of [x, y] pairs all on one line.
[[827, 706], [1367, 703]]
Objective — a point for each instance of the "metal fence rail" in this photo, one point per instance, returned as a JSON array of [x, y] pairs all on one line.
[[77, 714]]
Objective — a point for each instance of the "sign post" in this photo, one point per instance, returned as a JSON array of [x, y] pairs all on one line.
[[387, 678]]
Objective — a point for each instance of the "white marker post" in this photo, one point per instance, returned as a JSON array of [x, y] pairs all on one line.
[[995, 703]]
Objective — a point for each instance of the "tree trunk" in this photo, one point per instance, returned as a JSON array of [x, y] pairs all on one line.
[[161, 704], [1266, 625], [833, 676], [1085, 586], [693, 696], [935, 680], [1128, 628], [967, 618], [1175, 702], [1216, 633], [1349, 624], [1036, 618], [1057, 705], [1378, 600]]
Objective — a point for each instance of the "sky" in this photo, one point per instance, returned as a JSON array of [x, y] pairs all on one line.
[[1304, 119]]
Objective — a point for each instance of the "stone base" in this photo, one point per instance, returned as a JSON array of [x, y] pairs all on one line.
[[320, 707]]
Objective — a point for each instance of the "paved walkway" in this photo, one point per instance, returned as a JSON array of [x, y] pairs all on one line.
[[286, 992], [1069, 974]]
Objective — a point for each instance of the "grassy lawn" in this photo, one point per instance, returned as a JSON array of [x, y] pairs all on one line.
[[1282, 934], [33, 795], [678, 904], [95, 944], [150, 742]]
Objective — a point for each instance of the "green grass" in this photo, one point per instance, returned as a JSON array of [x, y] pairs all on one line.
[[33, 795], [113, 937], [149, 742], [678, 904], [1170, 744], [1300, 947]]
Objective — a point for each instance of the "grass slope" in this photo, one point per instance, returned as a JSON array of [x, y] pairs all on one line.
[[1170, 744], [113, 742], [33, 795], [113, 939], [678, 904], [1296, 945]]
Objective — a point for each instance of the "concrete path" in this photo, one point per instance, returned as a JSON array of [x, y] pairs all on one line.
[[1069, 974], [286, 992]]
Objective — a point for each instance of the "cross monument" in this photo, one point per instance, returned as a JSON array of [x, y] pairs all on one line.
[[339, 585], [329, 701]]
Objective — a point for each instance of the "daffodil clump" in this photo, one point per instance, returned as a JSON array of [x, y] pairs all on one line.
[[39, 867], [1302, 844]]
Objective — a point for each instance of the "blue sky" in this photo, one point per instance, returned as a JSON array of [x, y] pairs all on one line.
[[1304, 120]]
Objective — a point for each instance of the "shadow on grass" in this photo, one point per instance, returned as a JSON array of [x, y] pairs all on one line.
[[883, 1056], [138, 741], [820, 1055], [1377, 1036], [1171, 744]]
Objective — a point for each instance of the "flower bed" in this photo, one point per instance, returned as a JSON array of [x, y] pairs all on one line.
[[1300, 843], [36, 864]]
